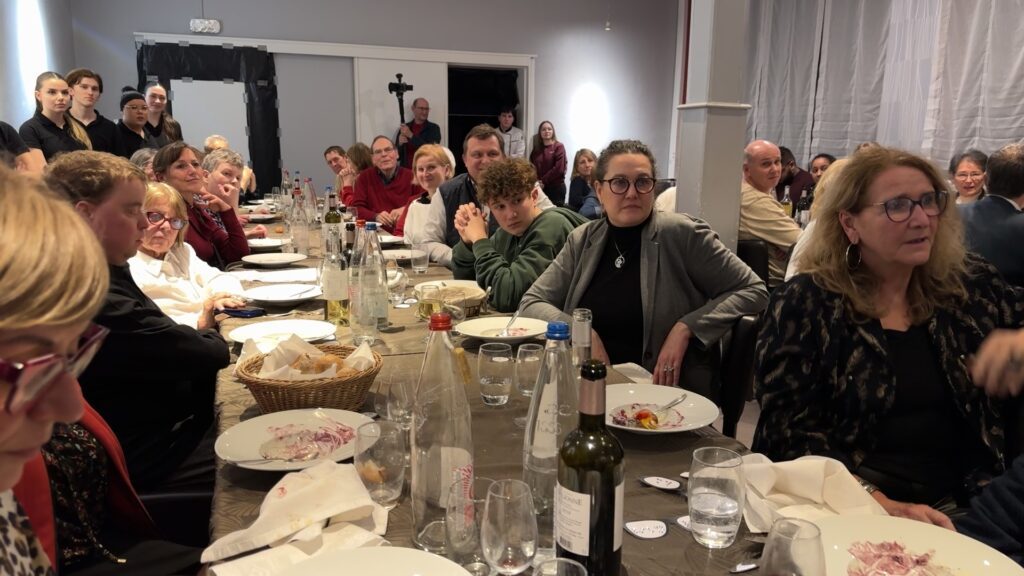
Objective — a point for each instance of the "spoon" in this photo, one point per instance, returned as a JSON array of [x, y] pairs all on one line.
[[504, 331], [484, 306]]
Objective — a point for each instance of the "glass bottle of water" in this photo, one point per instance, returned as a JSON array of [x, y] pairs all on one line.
[[369, 310], [441, 435], [581, 323], [552, 415], [299, 223]]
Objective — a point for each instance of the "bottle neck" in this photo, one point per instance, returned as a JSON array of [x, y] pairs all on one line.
[[591, 403]]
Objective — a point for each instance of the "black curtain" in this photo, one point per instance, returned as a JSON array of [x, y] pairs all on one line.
[[476, 96], [252, 66]]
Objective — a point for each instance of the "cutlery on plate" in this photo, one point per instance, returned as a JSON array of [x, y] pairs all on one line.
[[665, 407], [504, 331], [301, 292], [485, 305], [742, 567]]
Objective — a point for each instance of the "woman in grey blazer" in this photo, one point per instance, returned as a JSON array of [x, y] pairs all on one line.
[[654, 281]]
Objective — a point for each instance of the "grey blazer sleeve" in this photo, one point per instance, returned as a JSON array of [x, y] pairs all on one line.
[[547, 297]]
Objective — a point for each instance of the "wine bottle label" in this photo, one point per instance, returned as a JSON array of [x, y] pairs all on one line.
[[572, 521]]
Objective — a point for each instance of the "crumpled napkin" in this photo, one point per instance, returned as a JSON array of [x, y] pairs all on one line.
[[361, 358], [808, 488], [277, 364], [299, 506]]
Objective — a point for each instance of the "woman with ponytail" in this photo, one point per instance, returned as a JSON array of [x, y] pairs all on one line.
[[161, 127], [52, 130]]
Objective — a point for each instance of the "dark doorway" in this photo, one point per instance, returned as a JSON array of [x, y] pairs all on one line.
[[475, 96]]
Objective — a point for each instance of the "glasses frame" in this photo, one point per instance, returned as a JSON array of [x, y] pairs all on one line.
[[941, 200], [135, 108], [29, 379], [963, 177], [180, 221], [633, 183]]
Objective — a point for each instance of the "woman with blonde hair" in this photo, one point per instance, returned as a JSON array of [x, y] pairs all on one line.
[[820, 191], [580, 185], [861, 355], [432, 165], [52, 130], [167, 269]]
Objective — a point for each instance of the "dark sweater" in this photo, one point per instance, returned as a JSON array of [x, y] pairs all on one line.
[[39, 132], [550, 164], [997, 516], [373, 196], [102, 133]]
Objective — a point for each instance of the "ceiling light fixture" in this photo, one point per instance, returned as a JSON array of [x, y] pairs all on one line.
[[608, 17]]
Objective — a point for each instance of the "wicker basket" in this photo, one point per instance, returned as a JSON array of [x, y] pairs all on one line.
[[276, 395]]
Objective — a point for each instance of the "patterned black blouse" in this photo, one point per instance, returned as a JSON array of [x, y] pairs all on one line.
[[20, 552], [825, 382]]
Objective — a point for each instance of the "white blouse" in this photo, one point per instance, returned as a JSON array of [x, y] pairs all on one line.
[[180, 282]]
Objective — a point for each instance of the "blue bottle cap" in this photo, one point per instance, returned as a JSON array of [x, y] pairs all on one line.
[[372, 226], [557, 331]]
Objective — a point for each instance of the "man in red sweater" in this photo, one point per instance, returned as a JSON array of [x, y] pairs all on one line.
[[383, 190]]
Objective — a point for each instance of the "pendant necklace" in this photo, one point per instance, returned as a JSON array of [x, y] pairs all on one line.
[[621, 259]]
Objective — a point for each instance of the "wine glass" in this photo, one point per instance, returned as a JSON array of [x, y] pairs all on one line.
[[401, 396], [429, 301], [509, 530], [559, 567], [528, 360], [793, 549], [380, 461]]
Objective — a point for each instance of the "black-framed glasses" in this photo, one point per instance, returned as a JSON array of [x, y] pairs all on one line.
[[31, 378], [620, 184], [157, 218], [899, 209]]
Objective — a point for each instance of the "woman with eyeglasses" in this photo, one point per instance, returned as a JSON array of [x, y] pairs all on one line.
[[967, 169], [866, 355], [214, 230], [167, 269], [661, 286]]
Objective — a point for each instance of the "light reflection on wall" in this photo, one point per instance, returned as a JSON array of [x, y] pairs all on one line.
[[33, 52], [589, 118]]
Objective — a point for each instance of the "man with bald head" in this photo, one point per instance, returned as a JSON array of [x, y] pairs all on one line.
[[761, 215]]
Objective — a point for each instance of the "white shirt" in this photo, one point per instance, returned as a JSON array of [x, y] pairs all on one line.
[[181, 282]]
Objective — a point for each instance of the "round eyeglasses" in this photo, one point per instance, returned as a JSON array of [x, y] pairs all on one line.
[[157, 218], [620, 184], [899, 209]]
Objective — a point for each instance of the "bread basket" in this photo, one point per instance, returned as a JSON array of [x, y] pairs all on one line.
[[474, 294], [344, 393]]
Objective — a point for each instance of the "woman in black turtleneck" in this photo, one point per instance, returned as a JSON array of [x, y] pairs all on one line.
[[660, 285]]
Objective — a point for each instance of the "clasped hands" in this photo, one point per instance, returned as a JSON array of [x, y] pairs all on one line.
[[470, 223]]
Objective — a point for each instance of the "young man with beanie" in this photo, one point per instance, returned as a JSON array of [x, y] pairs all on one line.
[[131, 131]]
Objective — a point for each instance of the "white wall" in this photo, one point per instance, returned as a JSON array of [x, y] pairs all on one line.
[[209, 107], [378, 109], [631, 67], [35, 36]]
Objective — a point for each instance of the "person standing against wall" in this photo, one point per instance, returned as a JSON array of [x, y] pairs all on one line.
[[548, 157]]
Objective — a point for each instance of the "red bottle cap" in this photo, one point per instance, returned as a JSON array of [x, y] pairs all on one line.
[[360, 223], [440, 321]]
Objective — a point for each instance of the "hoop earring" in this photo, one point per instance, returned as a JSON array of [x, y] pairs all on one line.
[[851, 251]]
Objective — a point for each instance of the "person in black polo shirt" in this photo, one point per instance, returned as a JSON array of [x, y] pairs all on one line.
[[52, 130], [86, 88], [12, 143], [131, 132], [160, 126]]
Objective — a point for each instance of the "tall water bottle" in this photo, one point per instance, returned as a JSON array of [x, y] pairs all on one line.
[[369, 310], [299, 223], [552, 415], [372, 252], [441, 436], [581, 322], [312, 203]]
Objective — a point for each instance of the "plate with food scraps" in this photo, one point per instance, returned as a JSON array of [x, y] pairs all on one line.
[[273, 332], [489, 327], [629, 407], [290, 440], [881, 545], [274, 259], [400, 254]]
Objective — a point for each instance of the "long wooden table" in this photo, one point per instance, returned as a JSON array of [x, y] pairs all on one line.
[[498, 454]]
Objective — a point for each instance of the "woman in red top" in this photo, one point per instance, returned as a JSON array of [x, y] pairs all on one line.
[[548, 157], [218, 243]]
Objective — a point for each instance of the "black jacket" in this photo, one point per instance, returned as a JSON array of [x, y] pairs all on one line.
[[994, 229], [454, 193]]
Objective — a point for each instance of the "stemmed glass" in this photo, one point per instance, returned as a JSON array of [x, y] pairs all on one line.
[[793, 549], [401, 396], [528, 360], [509, 530], [380, 461]]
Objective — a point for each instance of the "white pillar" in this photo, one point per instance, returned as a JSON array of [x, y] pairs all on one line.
[[711, 129]]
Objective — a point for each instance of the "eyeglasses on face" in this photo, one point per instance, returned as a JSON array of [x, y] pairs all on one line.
[[620, 184], [382, 151], [899, 209], [135, 108], [964, 176], [157, 218], [29, 379]]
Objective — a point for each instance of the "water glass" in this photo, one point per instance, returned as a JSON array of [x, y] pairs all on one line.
[[380, 461], [528, 360], [420, 257], [401, 384], [463, 517], [509, 530], [559, 567], [716, 496], [494, 369], [397, 283], [793, 549]]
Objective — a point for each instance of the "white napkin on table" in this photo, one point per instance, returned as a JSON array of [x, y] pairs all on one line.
[[298, 507], [808, 488], [635, 372], [361, 358]]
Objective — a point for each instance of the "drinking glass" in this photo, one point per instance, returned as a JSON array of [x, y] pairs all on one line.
[[793, 549], [559, 567], [275, 200], [494, 369], [454, 303], [509, 530], [716, 496], [380, 461], [401, 395], [397, 282], [429, 302], [528, 359], [420, 257], [463, 517]]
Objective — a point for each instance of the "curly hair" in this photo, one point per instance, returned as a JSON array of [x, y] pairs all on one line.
[[937, 283], [507, 179]]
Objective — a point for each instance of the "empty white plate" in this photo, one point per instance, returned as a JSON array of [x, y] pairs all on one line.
[[274, 331], [256, 217], [274, 259], [389, 560], [283, 294], [389, 239], [268, 243]]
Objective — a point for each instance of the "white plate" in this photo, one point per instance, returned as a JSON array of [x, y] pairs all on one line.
[[389, 560], [268, 243], [697, 411], [254, 217], [399, 254], [487, 328], [389, 239], [274, 260], [240, 444], [257, 202], [283, 294], [275, 331], [962, 555]]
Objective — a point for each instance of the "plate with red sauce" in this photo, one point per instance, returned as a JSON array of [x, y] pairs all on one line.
[[628, 407]]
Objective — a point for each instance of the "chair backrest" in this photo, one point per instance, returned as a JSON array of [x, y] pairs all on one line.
[[754, 253], [737, 375]]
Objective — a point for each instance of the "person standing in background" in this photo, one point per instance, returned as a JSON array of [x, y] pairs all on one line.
[[548, 157], [52, 130], [161, 126], [131, 128], [513, 141], [416, 133], [580, 185], [86, 89]]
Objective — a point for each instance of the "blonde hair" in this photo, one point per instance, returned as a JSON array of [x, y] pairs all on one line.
[[576, 161], [161, 191], [937, 283], [46, 278], [826, 182], [77, 130], [438, 153]]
